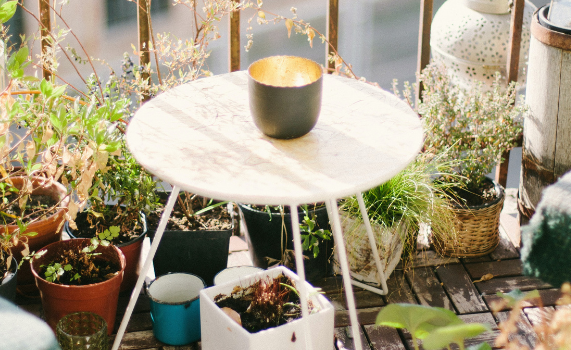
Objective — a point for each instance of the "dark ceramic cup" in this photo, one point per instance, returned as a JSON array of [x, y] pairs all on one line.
[[285, 95]]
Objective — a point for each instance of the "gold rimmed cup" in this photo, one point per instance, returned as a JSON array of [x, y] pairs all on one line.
[[285, 95]]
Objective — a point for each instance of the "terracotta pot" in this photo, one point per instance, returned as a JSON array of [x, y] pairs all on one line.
[[48, 230], [132, 251], [59, 300]]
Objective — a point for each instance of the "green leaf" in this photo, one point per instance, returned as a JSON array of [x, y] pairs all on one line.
[[7, 10], [59, 90], [46, 88], [419, 320], [481, 346], [114, 230], [68, 267], [443, 336]]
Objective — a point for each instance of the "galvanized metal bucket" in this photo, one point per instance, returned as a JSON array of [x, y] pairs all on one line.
[[175, 308]]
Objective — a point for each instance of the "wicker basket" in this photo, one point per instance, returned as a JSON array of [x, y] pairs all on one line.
[[477, 230]]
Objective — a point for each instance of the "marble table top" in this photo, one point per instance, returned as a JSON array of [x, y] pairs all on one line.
[[201, 137]]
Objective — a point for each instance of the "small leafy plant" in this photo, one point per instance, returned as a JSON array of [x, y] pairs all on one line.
[[310, 234], [438, 327], [474, 126]]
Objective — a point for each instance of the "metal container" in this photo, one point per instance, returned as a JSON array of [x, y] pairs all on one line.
[[285, 95], [175, 308]]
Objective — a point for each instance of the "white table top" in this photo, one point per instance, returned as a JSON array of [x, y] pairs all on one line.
[[201, 137]]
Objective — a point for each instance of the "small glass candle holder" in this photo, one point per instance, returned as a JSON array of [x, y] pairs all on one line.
[[82, 330]]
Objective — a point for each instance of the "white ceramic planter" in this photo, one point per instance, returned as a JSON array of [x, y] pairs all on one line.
[[470, 37], [359, 254], [219, 332]]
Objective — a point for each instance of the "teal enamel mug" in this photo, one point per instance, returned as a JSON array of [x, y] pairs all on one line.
[[175, 308]]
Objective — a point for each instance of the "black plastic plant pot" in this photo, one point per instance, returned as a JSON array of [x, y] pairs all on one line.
[[9, 283], [203, 253], [265, 240]]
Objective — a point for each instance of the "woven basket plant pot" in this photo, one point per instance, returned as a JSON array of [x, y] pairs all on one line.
[[476, 227]]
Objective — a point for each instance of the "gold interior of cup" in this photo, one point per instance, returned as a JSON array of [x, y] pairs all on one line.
[[285, 71]]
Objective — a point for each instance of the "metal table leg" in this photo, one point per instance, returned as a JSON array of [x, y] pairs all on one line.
[[333, 212], [301, 273], [146, 266], [374, 249]]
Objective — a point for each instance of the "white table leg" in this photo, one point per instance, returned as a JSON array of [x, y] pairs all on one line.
[[374, 249], [333, 212], [146, 266], [300, 273]]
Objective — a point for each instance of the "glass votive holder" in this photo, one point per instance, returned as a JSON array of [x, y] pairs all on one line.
[[82, 330]]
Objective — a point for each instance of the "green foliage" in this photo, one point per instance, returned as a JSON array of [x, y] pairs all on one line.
[[309, 234], [7, 10], [411, 197], [109, 234], [474, 126], [437, 326]]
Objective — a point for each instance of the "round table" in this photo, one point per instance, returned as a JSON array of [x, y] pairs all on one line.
[[200, 137]]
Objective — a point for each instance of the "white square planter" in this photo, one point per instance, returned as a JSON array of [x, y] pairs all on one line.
[[219, 332]]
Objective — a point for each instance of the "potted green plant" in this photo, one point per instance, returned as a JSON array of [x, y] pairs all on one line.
[[262, 311], [8, 269], [397, 209], [132, 190], [475, 127], [270, 239], [79, 275]]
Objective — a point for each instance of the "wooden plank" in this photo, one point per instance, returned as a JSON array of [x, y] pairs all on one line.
[[563, 142], [344, 339], [138, 322], [399, 289], [502, 268], [539, 315], [45, 29], [234, 41], [507, 284], [365, 316], [384, 338], [137, 340], [425, 21], [427, 288], [425, 258], [524, 335], [514, 44], [549, 297], [363, 299], [476, 259], [505, 249], [460, 289], [330, 284], [540, 124], [501, 176], [143, 36], [486, 318], [332, 31]]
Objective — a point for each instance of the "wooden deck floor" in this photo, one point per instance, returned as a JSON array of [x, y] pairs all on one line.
[[435, 281]]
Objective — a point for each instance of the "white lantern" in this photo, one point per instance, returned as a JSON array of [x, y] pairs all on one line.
[[471, 38]]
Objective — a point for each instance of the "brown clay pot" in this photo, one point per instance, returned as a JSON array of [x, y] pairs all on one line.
[[48, 230], [59, 300]]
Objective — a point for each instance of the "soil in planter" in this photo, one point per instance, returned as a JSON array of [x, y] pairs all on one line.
[[217, 218], [37, 207], [88, 226], [473, 197], [268, 303], [81, 268]]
